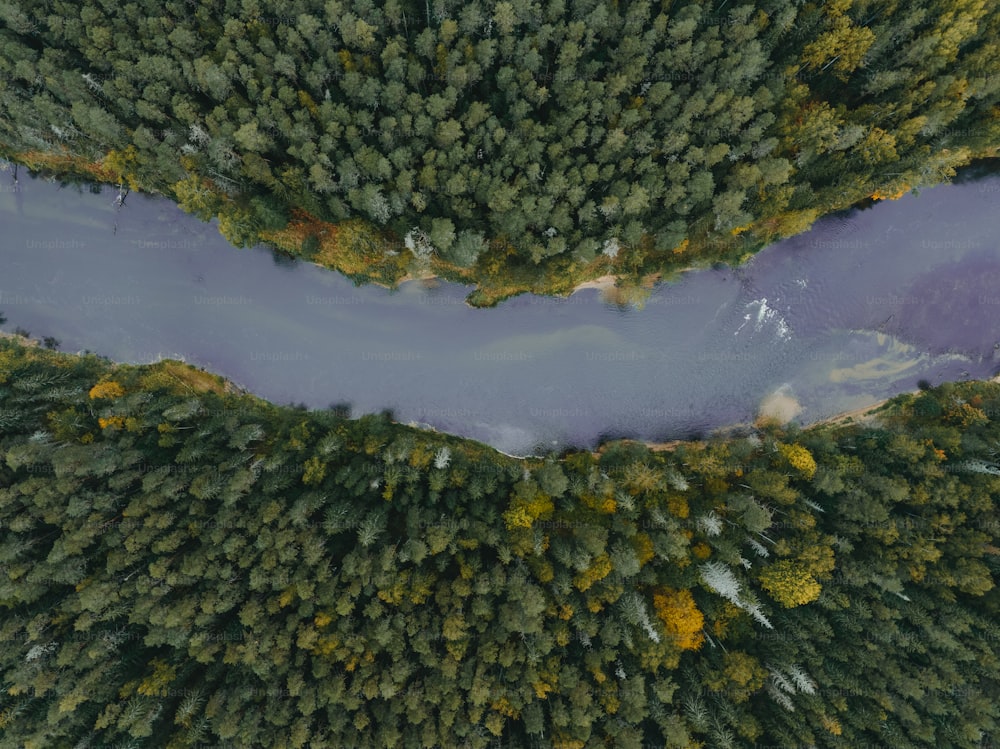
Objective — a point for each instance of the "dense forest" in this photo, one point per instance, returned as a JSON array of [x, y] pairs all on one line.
[[186, 565], [515, 144]]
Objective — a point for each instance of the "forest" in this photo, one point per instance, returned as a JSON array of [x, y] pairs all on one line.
[[185, 565], [517, 145]]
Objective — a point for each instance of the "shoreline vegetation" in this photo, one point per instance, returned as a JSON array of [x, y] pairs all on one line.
[[619, 286], [183, 566], [518, 149], [863, 416], [615, 289], [193, 375]]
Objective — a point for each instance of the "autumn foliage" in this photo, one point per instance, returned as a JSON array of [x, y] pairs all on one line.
[[681, 617], [789, 584], [110, 389], [800, 459]]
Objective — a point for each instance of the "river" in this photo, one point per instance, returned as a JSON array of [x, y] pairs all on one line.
[[858, 309]]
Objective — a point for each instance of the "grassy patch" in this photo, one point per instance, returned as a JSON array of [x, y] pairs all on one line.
[[187, 379]]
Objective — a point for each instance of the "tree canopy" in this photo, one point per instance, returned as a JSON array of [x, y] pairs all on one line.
[[185, 565]]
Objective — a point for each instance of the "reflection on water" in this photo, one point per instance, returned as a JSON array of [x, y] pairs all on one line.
[[896, 359], [856, 310], [953, 307]]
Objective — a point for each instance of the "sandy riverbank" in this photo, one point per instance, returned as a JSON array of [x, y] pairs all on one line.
[[781, 408], [607, 284], [601, 283]]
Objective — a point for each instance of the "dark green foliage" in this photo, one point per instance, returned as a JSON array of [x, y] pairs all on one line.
[[184, 567], [310, 246]]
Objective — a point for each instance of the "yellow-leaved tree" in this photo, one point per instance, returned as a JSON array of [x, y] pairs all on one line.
[[530, 503], [315, 471], [843, 45], [109, 389], [800, 459], [598, 570], [789, 584], [740, 676], [122, 165], [681, 617]]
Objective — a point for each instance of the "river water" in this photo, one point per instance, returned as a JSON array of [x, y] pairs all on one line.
[[858, 309]]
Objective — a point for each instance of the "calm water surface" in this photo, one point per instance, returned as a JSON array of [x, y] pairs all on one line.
[[859, 308]]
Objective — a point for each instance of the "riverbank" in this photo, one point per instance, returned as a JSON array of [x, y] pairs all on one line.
[[188, 377], [370, 255], [863, 415], [23, 340], [193, 379], [603, 283]]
